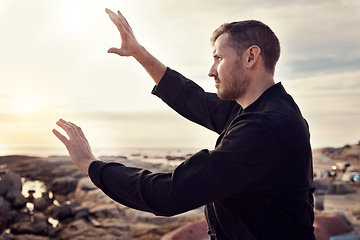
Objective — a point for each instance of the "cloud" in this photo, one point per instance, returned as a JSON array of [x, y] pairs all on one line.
[[329, 101], [308, 67]]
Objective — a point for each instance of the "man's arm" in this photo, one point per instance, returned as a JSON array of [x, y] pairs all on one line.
[[131, 47]]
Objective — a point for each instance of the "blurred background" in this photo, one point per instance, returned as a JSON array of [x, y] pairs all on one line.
[[54, 64]]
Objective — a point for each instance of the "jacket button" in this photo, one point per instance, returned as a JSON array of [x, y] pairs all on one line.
[[209, 232]]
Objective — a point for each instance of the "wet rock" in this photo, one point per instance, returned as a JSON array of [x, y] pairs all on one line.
[[16, 215], [10, 180], [38, 226], [119, 223], [322, 185], [63, 185], [76, 228], [67, 170], [106, 211], [63, 212], [40, 204], [325, 187], [15, 197], [22, 237], [4, 216], [68, 211], [10, 189], [85, 184], [79, 211], [341, 188]]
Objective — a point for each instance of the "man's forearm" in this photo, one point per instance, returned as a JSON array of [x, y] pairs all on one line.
[[152, 65]]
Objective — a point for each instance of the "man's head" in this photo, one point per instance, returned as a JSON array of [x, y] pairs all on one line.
[[244, 34]]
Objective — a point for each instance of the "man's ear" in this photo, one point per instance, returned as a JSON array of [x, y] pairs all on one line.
[[252, 55]]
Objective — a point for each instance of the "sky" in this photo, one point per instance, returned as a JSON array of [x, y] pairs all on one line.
[[54, 64]]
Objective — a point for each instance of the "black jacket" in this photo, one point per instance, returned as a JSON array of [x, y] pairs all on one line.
[[256, 183]]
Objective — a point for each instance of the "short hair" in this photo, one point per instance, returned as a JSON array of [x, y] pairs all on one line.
[[244, 34]]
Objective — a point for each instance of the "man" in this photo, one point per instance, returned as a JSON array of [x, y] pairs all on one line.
[[257, 182]]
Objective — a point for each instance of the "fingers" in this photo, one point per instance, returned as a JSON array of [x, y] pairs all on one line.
[[122, 17], [118, 20], [67, 128], [79, 130], [71, 129], [61, 137]]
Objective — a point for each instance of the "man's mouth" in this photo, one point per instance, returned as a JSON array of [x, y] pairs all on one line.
[[217, 83]]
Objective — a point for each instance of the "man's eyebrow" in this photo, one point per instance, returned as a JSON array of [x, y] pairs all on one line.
[[215, 54]]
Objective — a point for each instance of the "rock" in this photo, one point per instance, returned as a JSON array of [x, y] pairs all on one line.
[[63, 185], [10, 180], [10, 189], [4, 216], [323, 186], [40, 204], [106, 211], [86, 191], [119, 223], [16, 215], [341, 188], [86, 184], [16, 199], [63, 212], [195, 230], [23, 237], [68, 211], [83, 187], [66, 170], [76, 228], [38, 226], [79, 211]]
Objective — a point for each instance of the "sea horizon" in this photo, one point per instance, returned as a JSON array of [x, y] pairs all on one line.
[[98, 152]]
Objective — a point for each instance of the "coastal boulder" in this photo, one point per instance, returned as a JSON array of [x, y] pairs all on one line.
[[38, 226], [341, 188], [15, 197], [4, 216], [63, 185], [40, 204], [323, 186], [10, 180], [10, 189]]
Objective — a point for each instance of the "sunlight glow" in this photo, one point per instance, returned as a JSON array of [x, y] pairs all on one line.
[[74, 16], [25, 104]]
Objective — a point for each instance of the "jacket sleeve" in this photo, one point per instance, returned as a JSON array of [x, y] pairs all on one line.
[[244, 166], [192, 102]]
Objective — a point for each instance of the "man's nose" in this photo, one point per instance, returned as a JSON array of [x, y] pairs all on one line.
[[213, 71]]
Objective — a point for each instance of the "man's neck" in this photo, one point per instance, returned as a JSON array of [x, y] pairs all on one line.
[[255, 90]]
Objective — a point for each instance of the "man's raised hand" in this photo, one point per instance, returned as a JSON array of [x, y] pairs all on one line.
[[129, 45]]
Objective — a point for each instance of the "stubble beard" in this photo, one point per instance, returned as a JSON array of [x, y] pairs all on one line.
[[237, 85]]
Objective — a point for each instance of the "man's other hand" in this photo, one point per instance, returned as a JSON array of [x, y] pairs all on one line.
[[77, 145]]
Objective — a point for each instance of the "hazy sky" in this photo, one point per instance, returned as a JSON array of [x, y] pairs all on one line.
[[54, 63]]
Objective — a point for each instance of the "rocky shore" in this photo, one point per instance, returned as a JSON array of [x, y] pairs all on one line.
[[49, 198]]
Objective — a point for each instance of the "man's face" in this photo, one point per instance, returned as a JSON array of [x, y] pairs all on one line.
[[229, 74]]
